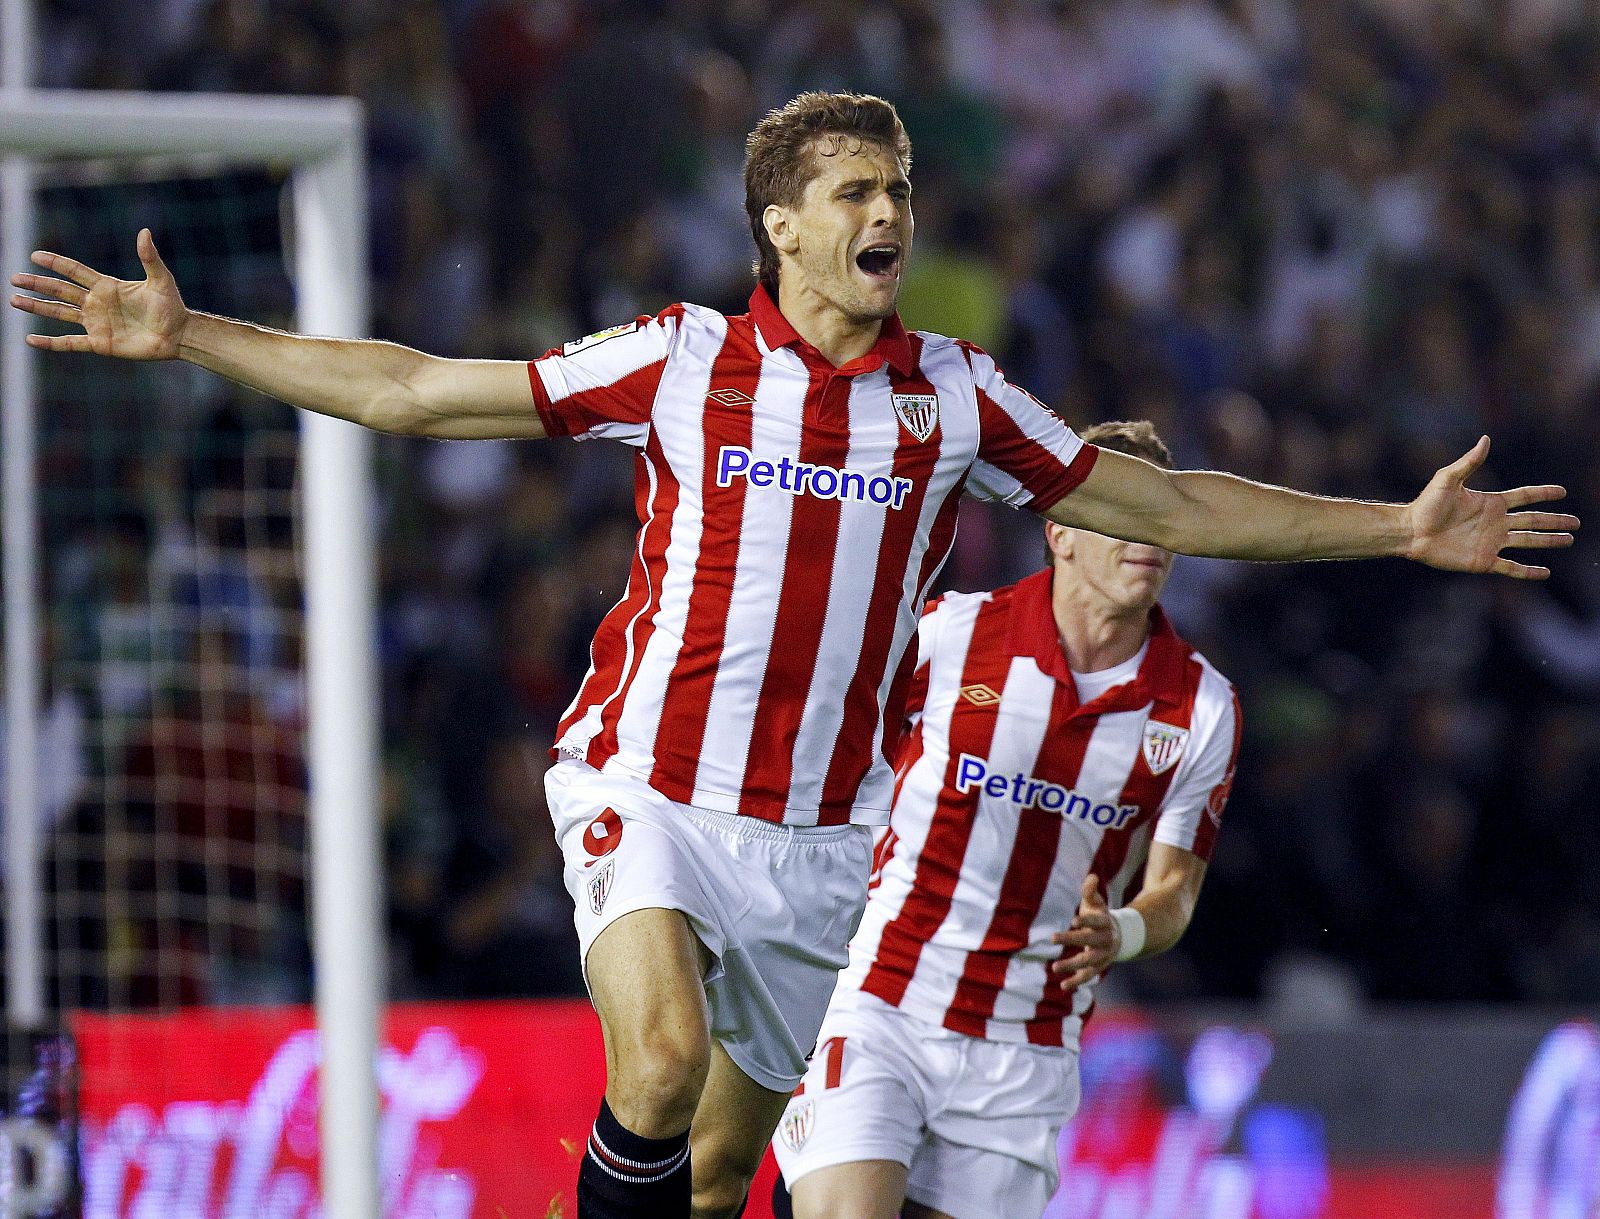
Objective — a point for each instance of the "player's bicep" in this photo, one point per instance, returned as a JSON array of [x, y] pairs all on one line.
[[475, 400], [1122, 497]]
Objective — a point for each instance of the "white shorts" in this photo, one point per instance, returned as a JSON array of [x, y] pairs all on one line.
[[974, 1121], [775, 905]]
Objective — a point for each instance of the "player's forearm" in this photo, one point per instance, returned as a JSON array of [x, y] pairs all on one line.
[[1224, 516], [1205, 512], [1166, 910], [364, 381]]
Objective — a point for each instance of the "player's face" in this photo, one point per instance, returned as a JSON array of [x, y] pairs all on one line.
[[852, 229], [1126, 576]]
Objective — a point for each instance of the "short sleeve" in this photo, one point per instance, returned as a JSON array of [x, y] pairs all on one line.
[[1191, 815], [1027, 457], [605, 384]]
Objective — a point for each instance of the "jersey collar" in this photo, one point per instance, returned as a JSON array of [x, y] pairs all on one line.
[[1033, 634], [893, 346]]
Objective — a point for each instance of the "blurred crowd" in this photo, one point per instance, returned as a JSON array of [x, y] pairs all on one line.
[[1323, 244]]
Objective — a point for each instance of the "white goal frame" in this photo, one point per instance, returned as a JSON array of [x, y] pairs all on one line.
[[322, 139]]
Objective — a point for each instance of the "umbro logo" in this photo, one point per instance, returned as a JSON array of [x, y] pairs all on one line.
[[730, 397], [979, 695]]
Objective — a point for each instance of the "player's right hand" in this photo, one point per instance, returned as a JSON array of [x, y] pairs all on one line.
[[119, 317], [1093, 933]]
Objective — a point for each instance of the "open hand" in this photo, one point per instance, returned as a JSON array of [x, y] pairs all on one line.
[[1461, 530], [132, 321], [1092, 933]]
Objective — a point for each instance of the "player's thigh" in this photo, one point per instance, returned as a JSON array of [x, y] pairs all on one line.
[[862, 1189], [645, 974], [728, 1138]]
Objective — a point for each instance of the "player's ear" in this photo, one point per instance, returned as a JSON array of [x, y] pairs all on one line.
[[780, 231], [1058, 540]]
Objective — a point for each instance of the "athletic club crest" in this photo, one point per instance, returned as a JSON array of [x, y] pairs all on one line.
[[797, 1123], [919, 412], [600, 886], [1163, 746]]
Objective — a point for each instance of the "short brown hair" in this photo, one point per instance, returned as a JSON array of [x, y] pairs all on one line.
[[1136, 437], [778, 161]]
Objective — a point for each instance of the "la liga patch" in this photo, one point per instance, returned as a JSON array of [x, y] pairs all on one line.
[[595, 339]]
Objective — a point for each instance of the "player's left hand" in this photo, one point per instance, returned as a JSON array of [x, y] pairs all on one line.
[[1092, 933], [1457, 529]]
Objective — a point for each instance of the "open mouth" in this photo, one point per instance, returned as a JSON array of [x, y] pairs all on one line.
[[881, 261]]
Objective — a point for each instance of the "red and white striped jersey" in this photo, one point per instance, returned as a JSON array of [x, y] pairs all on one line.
[[792, 517], [1009, 793]]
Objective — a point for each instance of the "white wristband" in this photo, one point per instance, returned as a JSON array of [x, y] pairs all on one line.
[[1129, 924]]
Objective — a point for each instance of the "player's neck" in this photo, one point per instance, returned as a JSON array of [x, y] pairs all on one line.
[[1095, 634], [821, 323]]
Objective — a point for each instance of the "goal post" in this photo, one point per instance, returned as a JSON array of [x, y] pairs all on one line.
[[323, 141]]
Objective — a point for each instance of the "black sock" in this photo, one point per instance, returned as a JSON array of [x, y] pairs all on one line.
[[627, 1176]]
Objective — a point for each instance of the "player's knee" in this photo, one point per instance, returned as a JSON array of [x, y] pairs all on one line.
[[719, 1196], [722, 1177], [658, 1080]]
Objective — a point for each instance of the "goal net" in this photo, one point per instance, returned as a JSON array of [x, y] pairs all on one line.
[[177, 828], [205, 738]]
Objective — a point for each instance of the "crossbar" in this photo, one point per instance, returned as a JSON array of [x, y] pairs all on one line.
[[48, 123]]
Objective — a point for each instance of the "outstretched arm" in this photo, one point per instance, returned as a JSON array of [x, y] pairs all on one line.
[[379, 385], [1202, 512], [1166, 901]]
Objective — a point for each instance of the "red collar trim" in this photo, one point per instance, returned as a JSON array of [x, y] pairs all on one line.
[[1033, 626], [893, 346], [1033, 634]]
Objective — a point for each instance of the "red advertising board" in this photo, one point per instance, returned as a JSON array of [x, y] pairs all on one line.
[[211, 1114]]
